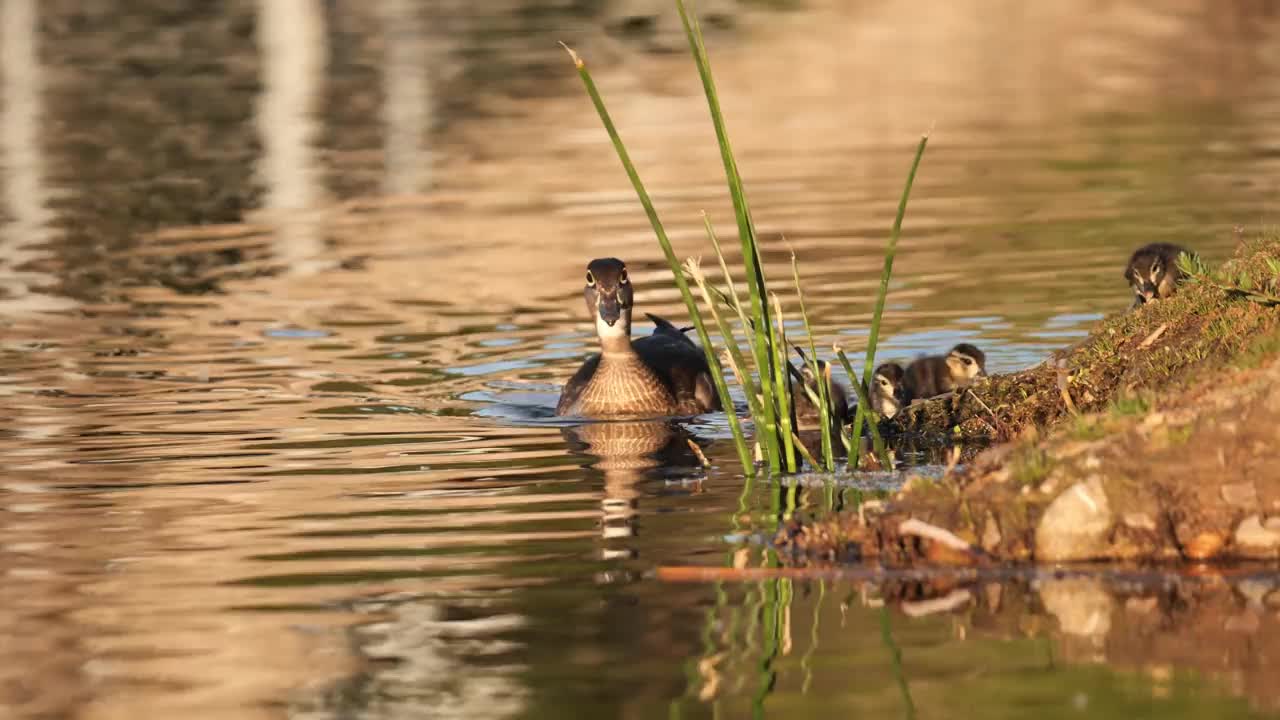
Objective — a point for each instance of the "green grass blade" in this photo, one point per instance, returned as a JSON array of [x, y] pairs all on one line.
[[744, 453], [886, 273], [786, 409], [736, 360], [742, 214], [766, 416], [824, 390]]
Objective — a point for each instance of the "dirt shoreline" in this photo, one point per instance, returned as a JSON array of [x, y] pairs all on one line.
[[1155, 439]]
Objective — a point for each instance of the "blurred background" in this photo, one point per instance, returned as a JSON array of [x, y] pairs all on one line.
[[288, 289]]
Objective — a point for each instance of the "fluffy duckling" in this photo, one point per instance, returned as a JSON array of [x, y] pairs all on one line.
[[808, 416], [937, 374], [889, 392], [1153, 272]]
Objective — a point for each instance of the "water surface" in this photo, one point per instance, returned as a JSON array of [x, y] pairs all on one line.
[[288, 290]]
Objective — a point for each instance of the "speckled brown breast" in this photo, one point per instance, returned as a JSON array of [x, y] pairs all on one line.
[[624, 385]]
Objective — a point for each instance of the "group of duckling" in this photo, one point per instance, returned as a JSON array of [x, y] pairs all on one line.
[[666, 373]]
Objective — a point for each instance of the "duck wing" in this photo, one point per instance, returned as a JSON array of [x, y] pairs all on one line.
[[663, 326], [573, 389], [681, 366]]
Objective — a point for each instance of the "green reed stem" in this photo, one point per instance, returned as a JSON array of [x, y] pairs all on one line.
[[746, 231], [761, 412], [824, 388], [864, 405], [868, 368], [717, 374], [804, 451], [782, 385], [736, 361]]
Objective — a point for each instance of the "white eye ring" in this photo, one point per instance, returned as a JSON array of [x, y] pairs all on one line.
[[622, 278], [591, 279]]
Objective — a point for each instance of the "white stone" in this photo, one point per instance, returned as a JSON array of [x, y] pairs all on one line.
[[1075, 525], [1251, 534]]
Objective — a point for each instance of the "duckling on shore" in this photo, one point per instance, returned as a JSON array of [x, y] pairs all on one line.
[[889, 393], [937, 374], [1153, 272]]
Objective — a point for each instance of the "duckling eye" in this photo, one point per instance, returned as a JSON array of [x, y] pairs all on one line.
[[967, 361], [623, 279], [1156, 267], [591, 279]]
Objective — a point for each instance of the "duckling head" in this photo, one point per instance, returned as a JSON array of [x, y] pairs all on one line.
[[1152, 271], [966, 362], [608, 295], [1144, 273], [889, 389]]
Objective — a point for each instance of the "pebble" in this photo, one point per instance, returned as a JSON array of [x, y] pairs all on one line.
[[1242, 495], [1076, 524], [1252, 534]]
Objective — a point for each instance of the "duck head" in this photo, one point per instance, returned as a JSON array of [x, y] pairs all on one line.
[[608, 295]]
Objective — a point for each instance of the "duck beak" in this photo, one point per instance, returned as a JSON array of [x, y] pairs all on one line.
[[609, 309]]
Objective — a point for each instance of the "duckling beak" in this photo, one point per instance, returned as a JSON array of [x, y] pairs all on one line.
[[609, 308]]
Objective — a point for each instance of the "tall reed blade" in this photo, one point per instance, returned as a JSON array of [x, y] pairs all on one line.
[[868, 367], [759, 414], [764, 354], [815, 368], [786, 408], [717, 374]]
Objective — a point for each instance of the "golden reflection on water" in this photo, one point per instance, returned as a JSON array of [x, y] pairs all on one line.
[[230, 490]]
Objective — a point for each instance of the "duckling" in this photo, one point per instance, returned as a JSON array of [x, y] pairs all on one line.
[[808, 416], [889, 392], [938, 374], [665, 373], [1153, 272]]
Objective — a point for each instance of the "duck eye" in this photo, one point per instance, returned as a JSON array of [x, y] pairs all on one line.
[[622, 279], [591, 279], [967, 361]]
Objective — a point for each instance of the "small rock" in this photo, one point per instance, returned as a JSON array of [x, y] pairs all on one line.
[[1242, 495], [1153, 420], [1139, 521], [1251, 534], [991, 534], [1075, 525], [1092, 462]]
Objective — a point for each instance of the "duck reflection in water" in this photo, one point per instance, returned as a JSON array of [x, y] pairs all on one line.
[[627, 453]]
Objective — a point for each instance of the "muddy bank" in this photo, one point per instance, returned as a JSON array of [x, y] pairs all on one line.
[[1155, 439]]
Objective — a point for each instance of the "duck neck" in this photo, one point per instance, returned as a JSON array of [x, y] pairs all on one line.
[[615, 340]]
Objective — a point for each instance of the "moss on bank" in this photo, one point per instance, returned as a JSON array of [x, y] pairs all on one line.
[[1157, 438], [1161, 347]]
